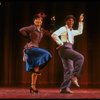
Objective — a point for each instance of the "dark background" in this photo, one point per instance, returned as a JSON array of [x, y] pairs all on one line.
[[14, 15]]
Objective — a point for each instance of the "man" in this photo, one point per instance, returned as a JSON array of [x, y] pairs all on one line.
[[72, 60]]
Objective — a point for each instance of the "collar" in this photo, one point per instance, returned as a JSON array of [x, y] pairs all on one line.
[[68, 28]]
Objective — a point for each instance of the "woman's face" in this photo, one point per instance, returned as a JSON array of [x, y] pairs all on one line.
[[38, 21], [70, 22]]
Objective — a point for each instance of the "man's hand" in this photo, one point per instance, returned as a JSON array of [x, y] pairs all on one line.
[[81, 18], [59, 46]]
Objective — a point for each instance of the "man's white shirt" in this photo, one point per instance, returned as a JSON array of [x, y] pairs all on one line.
[[63, 31]]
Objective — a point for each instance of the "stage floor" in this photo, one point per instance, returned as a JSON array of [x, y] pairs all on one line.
[[49, 93]]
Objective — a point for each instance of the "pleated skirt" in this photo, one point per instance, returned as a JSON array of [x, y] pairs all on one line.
[[36, 57]]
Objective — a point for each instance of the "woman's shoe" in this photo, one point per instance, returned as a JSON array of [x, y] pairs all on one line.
[[33, 91]]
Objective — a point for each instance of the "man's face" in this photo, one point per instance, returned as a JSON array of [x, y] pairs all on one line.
[[38, 21], [70, 22]]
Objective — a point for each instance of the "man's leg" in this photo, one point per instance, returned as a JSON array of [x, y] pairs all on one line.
[[69, 53], [68, 70]]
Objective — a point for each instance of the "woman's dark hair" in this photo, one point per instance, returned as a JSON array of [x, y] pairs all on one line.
[[39, 15], [35, 17]]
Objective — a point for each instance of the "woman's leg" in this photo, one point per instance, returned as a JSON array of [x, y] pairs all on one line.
[[34, 76]]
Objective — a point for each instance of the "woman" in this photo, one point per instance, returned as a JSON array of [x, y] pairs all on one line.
[[35, 57]]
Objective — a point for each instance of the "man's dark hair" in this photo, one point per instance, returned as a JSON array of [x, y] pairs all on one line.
[[69, 16]]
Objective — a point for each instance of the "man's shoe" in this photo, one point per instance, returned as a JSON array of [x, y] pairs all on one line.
[[66, 90], [75, 81], [69, 91]]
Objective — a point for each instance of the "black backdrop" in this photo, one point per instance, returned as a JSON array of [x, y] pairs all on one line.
[[16, 14]]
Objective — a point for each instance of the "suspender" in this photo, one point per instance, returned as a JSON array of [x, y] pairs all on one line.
[[67, 35]]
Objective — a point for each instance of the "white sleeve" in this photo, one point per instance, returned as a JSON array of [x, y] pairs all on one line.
[[80, 29], [56, 35]]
